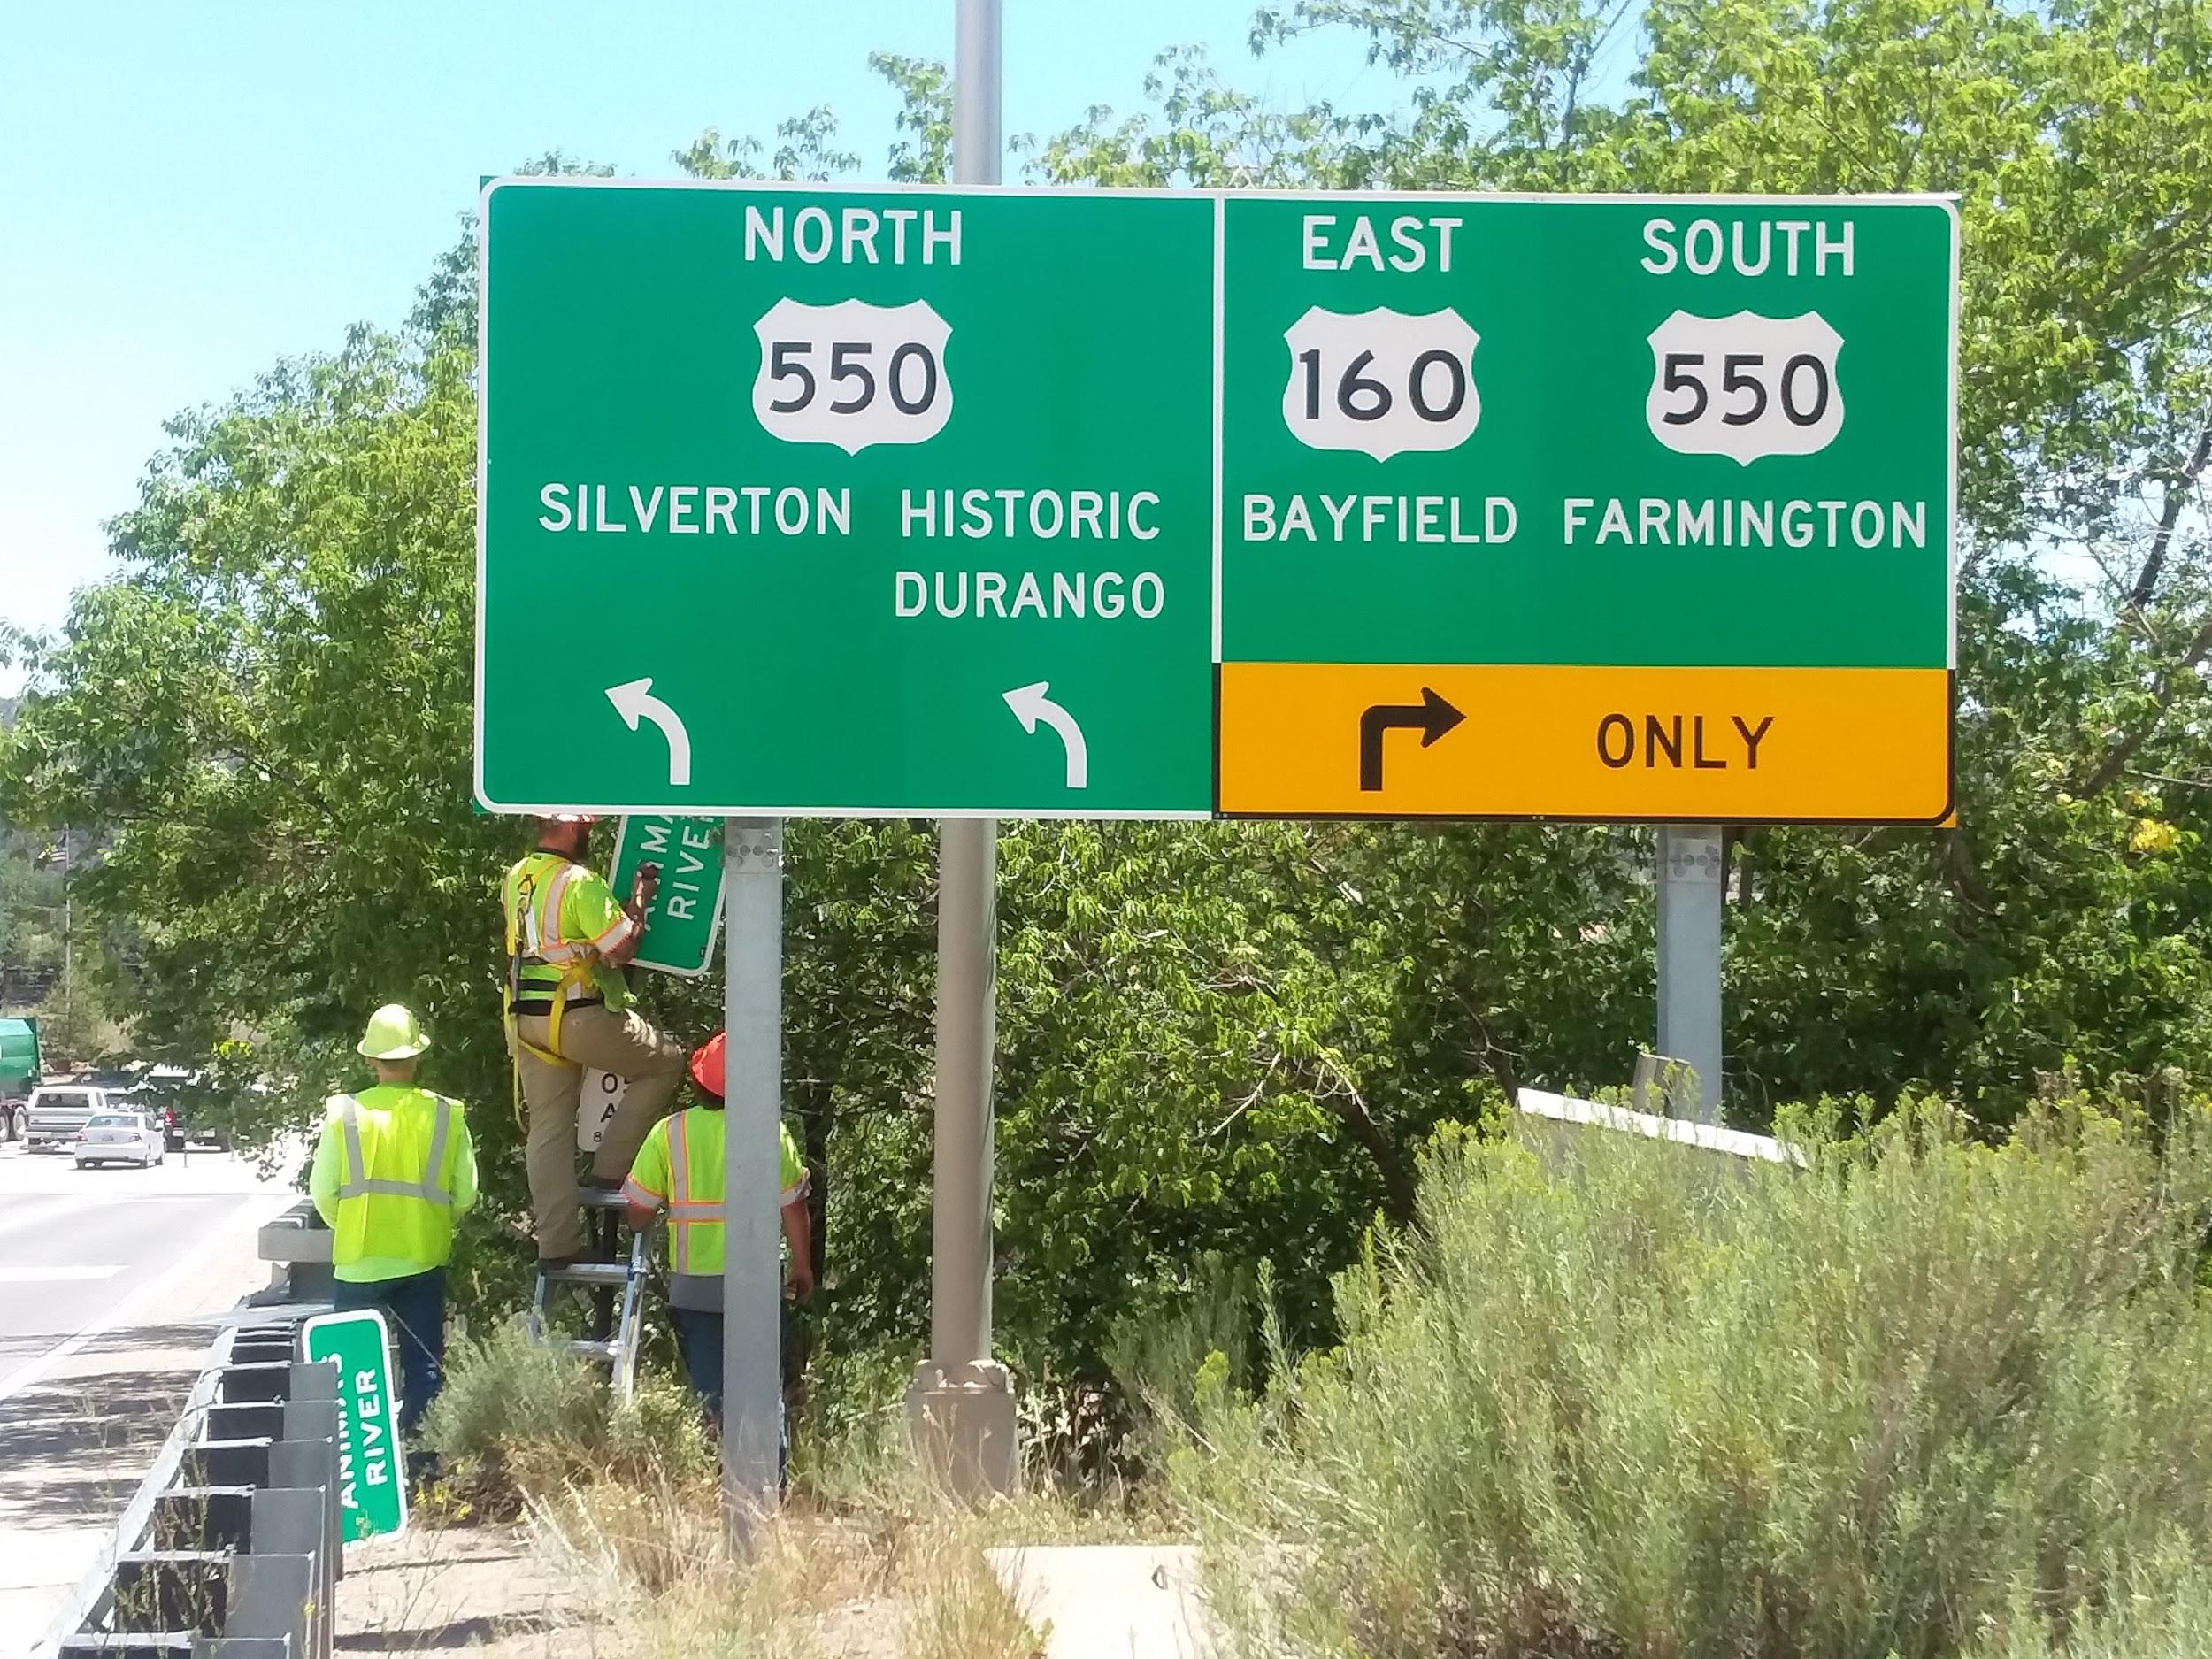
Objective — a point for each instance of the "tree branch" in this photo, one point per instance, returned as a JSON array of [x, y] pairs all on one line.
[[2177, 493], [2120, 754]]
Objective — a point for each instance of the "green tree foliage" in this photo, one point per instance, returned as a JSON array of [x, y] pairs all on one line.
[[2067, 917], [1237, 1037]]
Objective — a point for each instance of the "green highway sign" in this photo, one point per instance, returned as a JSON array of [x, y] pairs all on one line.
[[910, 495], [1037, 503], [372, 1476], [1587, 507], [686, 917]]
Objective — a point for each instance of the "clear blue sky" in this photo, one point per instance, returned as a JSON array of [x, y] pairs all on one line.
[[194, 190]]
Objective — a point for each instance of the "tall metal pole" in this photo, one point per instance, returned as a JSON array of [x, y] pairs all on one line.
[[960, 1404], [977, 85], [967, 985], [752, 1274], [1691, 887], [967, 876]]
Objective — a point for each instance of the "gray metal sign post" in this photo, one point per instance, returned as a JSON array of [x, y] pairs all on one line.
[[752, 1273], [961, 1404], [1691, 883]]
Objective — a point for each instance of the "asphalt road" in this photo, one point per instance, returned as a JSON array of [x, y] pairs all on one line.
[[112, 1284], [76, 1244]]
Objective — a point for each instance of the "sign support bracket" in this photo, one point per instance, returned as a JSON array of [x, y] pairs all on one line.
[[1693, 887]]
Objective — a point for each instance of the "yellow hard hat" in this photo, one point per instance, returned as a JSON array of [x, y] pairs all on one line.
[[394, 1033]]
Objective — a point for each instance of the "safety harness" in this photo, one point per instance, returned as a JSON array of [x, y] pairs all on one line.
[[527, 940]]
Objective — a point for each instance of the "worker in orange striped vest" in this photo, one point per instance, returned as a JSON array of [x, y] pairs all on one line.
[[679, 1169]]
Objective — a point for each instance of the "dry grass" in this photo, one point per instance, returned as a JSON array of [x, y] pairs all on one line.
[[872, 1561], [960, 1610], [903, 1580]]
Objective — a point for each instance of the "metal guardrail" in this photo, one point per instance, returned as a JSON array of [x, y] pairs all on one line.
[[229, 1549]]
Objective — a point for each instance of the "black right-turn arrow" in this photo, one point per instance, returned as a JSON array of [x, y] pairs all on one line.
[[1432, 714]]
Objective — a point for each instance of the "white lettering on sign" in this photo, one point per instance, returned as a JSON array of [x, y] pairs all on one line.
[[855, 235], [1381, 381], [1745, 385], [695, 510], [682, 887], [1407, 243], [680, 896], [1100, 515], [376, 1465], [1804, 247], [1410, 521], [1657, 521], [1106, 595], [852, 374]]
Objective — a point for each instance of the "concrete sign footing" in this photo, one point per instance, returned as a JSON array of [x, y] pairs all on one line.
[[964, 1427]]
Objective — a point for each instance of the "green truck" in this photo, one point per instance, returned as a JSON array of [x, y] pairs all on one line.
[[20, 1066]]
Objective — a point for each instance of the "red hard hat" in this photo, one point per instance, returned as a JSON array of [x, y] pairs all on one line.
[[706, 1065]]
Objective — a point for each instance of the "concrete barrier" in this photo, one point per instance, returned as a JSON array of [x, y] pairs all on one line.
[[300, 1243]]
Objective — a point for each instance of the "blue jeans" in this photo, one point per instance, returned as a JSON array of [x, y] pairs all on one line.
[[415, 1306], [699, 1340]]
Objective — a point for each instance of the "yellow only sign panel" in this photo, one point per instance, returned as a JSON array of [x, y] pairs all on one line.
[[1693, 745]]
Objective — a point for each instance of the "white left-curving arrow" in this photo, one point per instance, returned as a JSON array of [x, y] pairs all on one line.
[[634, 701], [1030, 706]]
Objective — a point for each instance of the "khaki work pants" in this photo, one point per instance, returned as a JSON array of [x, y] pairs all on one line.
[[625, 1044]]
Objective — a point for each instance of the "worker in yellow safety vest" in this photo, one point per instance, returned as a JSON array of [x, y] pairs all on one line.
[[394, 1167], [678, 1170], [568, 1007]]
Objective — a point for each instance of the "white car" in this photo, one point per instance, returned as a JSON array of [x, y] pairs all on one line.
[[120, 1138]]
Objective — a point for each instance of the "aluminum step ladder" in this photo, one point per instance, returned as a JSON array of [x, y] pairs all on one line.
[[612, 1286]]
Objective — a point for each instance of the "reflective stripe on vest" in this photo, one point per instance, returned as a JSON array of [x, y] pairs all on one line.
[[426, 1189], [685, 1211], [546, 919], [534, 906]]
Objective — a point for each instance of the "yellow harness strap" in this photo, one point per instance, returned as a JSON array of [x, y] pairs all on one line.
[[574, 972]]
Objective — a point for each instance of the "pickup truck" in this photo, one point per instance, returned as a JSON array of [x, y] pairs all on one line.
[[53, 1114]]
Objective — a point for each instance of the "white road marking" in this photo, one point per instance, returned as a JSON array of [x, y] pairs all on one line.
[[133, 1310], [54, 1275]]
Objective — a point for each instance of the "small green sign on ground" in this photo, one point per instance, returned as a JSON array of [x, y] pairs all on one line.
[[687, 915], [371, 1475]]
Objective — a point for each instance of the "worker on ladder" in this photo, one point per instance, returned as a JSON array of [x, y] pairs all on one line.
[[679, 1169], [568, 1007]]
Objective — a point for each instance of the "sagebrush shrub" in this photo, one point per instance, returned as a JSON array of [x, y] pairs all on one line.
[[1621, 1396]]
